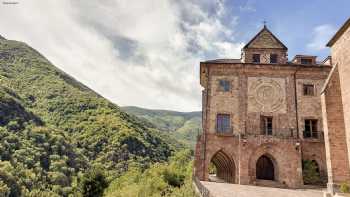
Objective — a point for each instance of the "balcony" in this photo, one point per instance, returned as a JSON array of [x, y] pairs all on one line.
[[313, 136], [277, 133], [284, 133]]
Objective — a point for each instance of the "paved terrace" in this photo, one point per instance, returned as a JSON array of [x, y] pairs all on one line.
[[235, 190]]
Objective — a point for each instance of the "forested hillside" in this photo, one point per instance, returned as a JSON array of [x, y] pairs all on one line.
[[184, 126], [58, 137]]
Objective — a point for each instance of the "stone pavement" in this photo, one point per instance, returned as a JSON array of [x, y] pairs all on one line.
[[235, 190]]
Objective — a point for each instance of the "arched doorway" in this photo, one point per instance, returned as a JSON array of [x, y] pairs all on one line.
[[265, 169], [223, 167]]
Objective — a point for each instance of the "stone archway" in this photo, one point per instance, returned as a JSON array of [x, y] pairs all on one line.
[[263, 160], [225, 166], [265, 169]]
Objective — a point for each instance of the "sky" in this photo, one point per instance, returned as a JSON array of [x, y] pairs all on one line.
[[146, 53]]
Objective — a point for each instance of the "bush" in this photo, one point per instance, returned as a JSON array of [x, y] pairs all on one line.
[[174, 179], [310, 173], [168, 179], [13, 126], [4, 190], [212, 168], [344, 188], [93, 183]]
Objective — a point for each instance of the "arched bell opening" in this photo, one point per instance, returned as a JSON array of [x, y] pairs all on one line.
[[222, 168]]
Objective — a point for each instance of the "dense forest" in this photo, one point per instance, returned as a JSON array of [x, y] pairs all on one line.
[[59, 138], [184, 126]]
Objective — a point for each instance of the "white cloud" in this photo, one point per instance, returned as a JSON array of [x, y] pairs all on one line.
[[321, 35], [248, 6], [143, 53]]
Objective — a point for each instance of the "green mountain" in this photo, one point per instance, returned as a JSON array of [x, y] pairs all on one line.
[[184, 126], [54, 130]]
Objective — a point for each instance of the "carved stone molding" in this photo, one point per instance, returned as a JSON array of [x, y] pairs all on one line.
[[266, 95]]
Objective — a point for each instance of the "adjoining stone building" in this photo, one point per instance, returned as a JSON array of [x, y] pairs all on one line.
[[262, 115], [336, 110]]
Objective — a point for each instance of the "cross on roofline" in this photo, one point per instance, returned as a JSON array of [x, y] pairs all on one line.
[[264, 23]]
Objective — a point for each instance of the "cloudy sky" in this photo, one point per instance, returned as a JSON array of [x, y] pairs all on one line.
[[147, 52]]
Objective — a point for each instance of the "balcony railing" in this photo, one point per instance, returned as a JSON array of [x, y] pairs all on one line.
[[314, 135], [280, 133], [203, 191]]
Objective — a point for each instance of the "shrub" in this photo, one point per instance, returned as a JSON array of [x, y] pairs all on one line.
[[93, 183], [174, 179], [212, 168], [4, 190], [310, 173], [344, 188]]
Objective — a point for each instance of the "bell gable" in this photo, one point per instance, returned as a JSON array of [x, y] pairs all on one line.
[[265, 39]]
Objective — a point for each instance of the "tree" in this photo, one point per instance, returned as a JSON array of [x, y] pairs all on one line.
[[310, 172], [93, 183], [4, 190]]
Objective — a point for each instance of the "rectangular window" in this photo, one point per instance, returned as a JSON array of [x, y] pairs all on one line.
[[273, 58], [224, 85], [305, 61], [223, 123], [256, 58], [266, 125], [310, 128], [309, 89]]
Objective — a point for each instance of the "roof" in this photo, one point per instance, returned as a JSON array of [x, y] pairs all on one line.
[[238, 61], [339, 33], [304, 56], [327, 58], [230, 61], [326, 83], [261, 31]]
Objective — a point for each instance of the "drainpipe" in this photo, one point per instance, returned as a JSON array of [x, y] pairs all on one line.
[[239, 158], [297, 117]]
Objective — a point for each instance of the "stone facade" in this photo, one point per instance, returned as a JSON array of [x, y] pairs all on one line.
[[336, 110], [258, 90]]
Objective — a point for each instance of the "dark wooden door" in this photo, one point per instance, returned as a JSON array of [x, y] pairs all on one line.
[[265, 169]]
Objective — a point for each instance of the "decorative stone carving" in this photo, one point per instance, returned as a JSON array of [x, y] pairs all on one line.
[[266, 95]]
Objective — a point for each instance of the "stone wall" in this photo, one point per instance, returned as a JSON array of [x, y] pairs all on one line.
[[264, 91], [265, 40], [309, 107], [245, 152], [341, 56], [335, 137], [245, 145], [265, 55], [224, 102], [315, 150]]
